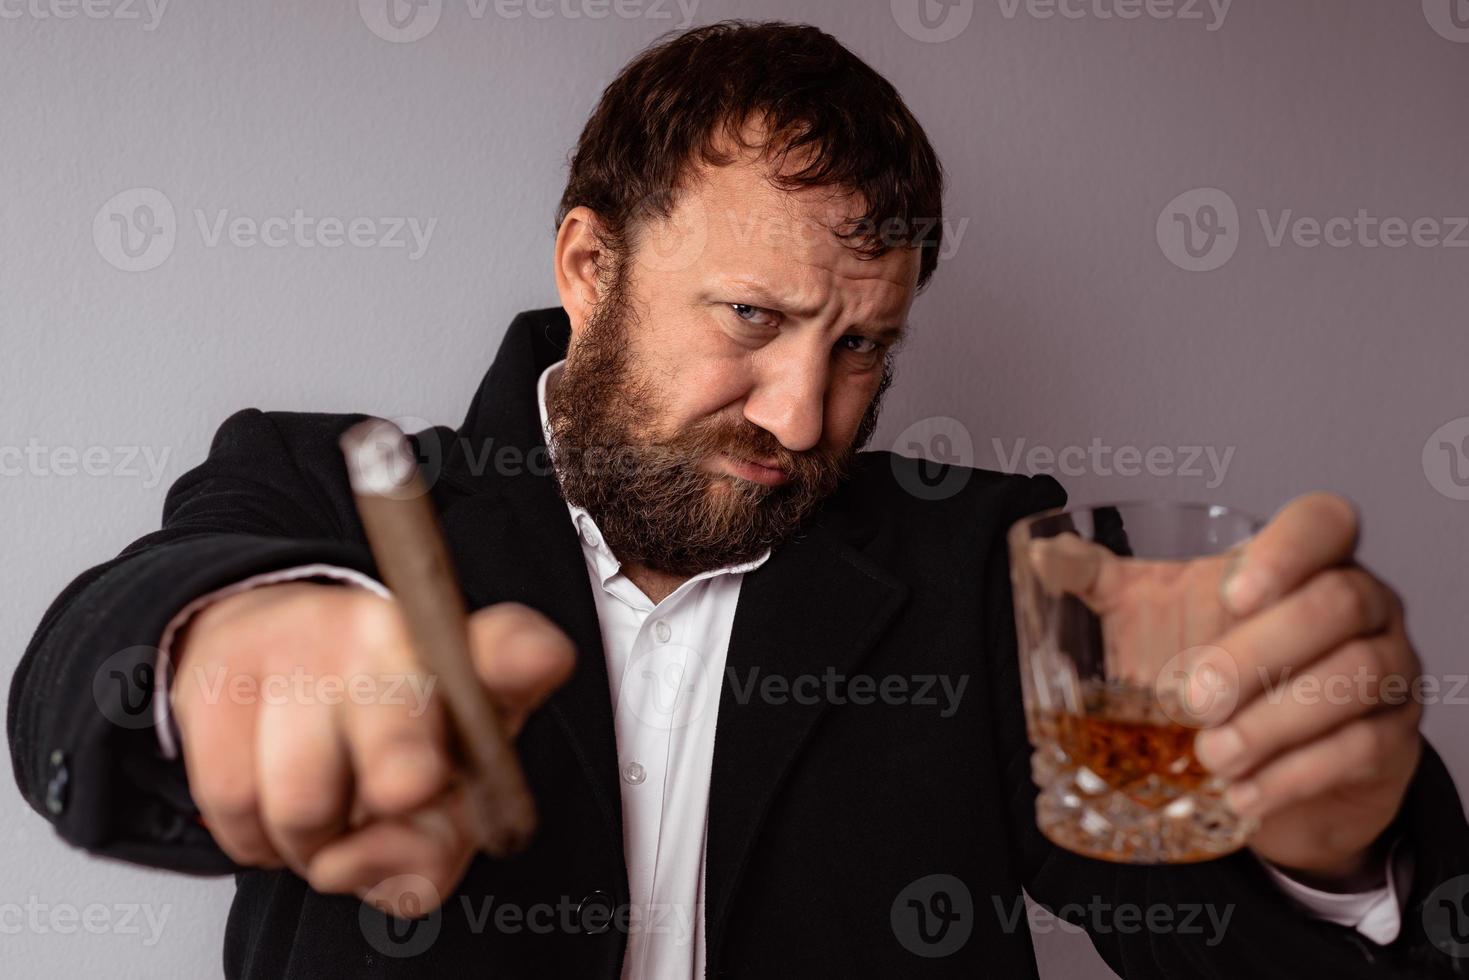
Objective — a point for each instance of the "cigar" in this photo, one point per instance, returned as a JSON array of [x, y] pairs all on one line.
[[411, 556]]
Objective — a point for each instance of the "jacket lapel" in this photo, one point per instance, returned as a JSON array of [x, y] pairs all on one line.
[[817, 604], [514, 540]]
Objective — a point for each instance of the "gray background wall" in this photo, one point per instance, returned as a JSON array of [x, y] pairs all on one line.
[[1061, 316]]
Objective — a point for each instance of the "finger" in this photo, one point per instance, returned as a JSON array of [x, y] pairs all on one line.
[[428, 850], [304, 777], [521, 656], [1067, 564], [1351, 681], [1367, 751], [1313, 532], [1334, 607], [396, 740], [219, 760]]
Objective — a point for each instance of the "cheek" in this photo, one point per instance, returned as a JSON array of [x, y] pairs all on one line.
[[696, 393], [845, 408]]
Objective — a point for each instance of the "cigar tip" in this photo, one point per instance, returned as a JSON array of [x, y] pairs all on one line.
[[378, 460]]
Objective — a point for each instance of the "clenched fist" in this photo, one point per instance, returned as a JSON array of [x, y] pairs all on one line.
[[311, 738]]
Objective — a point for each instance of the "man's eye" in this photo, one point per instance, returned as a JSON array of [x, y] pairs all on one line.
[[870, 344], [751, 314]]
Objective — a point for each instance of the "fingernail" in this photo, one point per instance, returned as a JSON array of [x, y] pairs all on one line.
[[1243, 590], [1219, 748], [1242, 797]]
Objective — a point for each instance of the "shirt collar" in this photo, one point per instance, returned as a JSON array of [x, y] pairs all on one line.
[[594, 546]]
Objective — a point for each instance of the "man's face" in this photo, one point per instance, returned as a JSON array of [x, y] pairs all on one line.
[[740, 332]]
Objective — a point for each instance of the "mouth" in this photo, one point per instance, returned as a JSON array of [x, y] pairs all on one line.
[[770, 476]]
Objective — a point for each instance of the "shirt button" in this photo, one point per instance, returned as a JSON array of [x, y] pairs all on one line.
[[661, 630], [634, 773], [594, 913]]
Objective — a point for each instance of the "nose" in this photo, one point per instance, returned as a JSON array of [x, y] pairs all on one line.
[[788, 400]]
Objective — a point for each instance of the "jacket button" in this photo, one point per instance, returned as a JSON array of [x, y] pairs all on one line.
[[595, 913], [57, 782]]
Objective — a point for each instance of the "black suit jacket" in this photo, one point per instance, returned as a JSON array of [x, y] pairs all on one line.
[[822, 816]]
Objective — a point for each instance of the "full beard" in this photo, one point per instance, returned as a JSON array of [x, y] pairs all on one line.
[[651, 501]]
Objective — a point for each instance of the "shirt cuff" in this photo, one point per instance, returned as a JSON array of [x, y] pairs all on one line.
[[163, 725], [1376, 914]]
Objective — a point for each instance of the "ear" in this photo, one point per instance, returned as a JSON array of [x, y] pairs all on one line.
[[579, 253]]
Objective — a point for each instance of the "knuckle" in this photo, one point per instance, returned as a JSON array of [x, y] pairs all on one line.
[[249, 853], [1375, 745], [1338, 597], [230, 795], [1361, 655], [301, 810]]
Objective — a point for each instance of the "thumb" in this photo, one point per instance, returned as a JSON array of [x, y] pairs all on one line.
[[521, 656]]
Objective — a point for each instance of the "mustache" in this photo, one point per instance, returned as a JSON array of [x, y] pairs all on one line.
[[746, 441]]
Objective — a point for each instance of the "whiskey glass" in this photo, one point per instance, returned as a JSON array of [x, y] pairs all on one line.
[[1117, 610]]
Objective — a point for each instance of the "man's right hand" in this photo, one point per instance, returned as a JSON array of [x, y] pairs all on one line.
[[311, 740]]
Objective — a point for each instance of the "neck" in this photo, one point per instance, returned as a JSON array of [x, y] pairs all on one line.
[[656, 585]]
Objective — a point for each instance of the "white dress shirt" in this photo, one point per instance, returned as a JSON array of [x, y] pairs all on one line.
[[665, 664]]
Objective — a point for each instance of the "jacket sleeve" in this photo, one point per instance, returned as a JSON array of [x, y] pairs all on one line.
[[1220, 919], [80, 721]]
